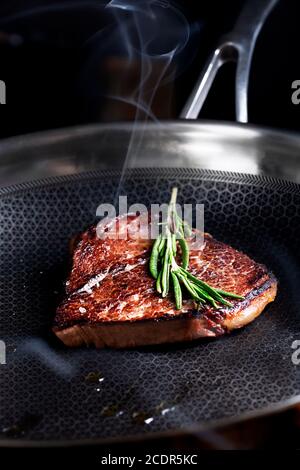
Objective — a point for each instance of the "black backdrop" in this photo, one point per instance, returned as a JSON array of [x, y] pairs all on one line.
[[44, 53]]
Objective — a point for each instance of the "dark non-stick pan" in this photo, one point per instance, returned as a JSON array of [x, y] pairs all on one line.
[[51, 184], [51, 392]]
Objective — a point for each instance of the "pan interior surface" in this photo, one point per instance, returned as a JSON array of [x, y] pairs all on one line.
[[49, 392]]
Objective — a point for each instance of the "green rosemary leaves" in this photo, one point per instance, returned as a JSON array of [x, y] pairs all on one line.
[[170, 275]]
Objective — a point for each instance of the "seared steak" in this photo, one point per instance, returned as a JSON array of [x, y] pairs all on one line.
[[111, 298]]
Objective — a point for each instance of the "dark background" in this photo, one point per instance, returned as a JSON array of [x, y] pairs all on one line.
[[61, 60]]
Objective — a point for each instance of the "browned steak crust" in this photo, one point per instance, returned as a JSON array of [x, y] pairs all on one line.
[[111, 298]]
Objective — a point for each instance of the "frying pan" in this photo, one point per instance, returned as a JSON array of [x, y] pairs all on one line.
[[51, 184]]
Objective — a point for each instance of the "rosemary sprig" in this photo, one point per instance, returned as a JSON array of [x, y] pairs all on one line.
[[167, 272]]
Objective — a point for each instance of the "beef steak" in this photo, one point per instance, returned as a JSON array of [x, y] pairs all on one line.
[[111, 299]]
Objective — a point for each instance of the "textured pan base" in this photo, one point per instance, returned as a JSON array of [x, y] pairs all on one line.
[[211, 380]]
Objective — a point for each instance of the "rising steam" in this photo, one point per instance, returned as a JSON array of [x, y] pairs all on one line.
[[152, 36]]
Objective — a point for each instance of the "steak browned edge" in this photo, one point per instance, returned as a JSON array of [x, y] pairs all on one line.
[[111, 299]]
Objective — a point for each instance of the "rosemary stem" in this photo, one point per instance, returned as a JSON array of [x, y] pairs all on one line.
[[173, 196]]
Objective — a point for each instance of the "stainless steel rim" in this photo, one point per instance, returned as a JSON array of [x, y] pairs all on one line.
[[179, 144]]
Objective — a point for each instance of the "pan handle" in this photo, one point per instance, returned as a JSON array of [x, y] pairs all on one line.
[[238, 46]]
